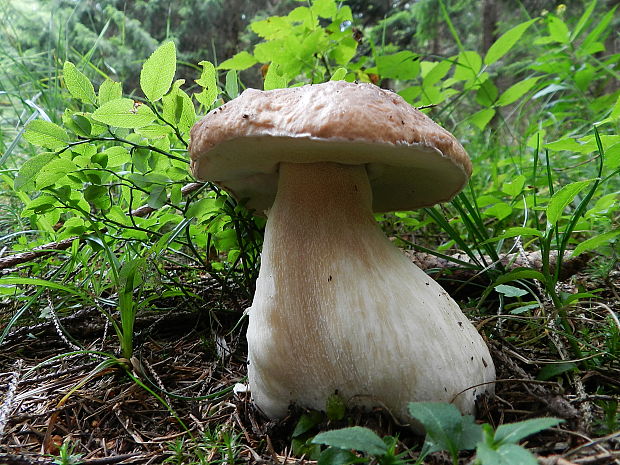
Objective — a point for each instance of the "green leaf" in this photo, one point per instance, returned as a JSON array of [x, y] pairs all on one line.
[[481, 118], [339, 74], [117, 156], [306, 422], [46, 134], [560, 200], [403, 65], [507, 454], [157, 197], [567, 143], [208, 81], [124, 113], [324, 8], [178, 108], [232, 84], [595, 242], [499, 210], [516, 91], [275, 79], [356, 438], [514, 187], [78, 84], [30, 169], [109, 90], [43, 283], [335, 456], [468, 65], [515, 432], [554, 369], [54, 171], [506, 41], [446, 427], [519, 231], [519, 273], [510, 291], [239, 62], [487, 93], [158, 72], [590, 44], [558, 30]]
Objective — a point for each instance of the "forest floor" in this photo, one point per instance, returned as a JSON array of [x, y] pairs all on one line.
[[108, 413]]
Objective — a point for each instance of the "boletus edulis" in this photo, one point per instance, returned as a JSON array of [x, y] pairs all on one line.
[[338, 307]]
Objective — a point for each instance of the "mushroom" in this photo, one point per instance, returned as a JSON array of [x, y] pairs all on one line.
[[338, 307]]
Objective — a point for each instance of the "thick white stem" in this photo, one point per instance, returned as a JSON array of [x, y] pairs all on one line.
[[339, 308]]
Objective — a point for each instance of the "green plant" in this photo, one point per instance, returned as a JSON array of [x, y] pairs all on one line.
[[446, 430], [65, 454]]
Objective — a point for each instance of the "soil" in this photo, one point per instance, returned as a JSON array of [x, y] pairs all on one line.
[[185, 387]]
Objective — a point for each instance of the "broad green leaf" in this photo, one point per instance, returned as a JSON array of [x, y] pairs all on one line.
[[339, 74], [468, 65], [117, 156], [344, 52], [78, 84], [499, 210], [508, 454], [306, 422], [555, 369], [356, 438], [30, 169], [46, 134], [178, 109], [53, 171], [520, 231], [612, 157], [583, 20], [275, 79], [515, 432], [433, 72], [445, 426], [324, 8], [506, 41], [157, 198], [158, 72], [591, 44], [109, 90], [516, 91], [514, 187], [558, 30], [303, 15], [567, 143], [519, 273], [41, 204], [124, 113], [239, 62], [335, 456], [403, 65], [595, 242], [510, 291], [487, 93], [562, 198], [156, 131], [208, 81], [481, 118], [232, 84], [274, 27]]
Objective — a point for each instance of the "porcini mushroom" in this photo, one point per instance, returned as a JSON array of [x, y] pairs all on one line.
[[338, 308]]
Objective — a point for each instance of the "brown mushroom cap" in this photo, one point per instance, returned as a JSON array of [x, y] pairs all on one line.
[[411, 161]]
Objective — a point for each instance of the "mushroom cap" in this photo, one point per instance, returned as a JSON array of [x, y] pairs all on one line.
[[411, 161]]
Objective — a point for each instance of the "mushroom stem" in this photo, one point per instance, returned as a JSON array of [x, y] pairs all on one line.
[[339, 308]]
